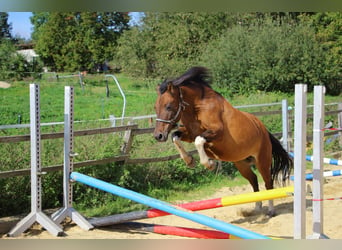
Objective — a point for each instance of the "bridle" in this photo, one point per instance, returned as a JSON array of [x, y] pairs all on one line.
[[181, 107]]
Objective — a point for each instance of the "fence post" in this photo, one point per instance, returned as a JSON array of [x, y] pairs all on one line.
[[128, 141], [299, 206], [80, 76], [112, 120], [339, 118], [285, 123], [317, 181]]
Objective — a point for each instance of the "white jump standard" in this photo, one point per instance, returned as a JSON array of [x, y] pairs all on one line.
[[68, 210], [36, 214]]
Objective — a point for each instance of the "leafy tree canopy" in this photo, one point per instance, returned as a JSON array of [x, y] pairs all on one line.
[[72, 41], [5, 27]]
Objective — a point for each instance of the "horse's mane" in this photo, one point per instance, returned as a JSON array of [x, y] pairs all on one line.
[[195, 75]]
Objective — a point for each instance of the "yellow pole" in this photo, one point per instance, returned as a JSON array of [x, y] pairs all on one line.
[[257, 196]]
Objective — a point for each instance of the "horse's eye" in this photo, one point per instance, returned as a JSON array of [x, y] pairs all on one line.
[[168, 107]]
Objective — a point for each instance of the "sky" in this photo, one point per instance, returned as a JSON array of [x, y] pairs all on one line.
[[22, 27], [21, 24]]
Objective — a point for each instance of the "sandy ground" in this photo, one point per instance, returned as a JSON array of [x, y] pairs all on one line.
[[240, 215]]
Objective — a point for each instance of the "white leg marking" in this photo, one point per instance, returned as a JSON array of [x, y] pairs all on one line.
[[199, 143], [204, 159], [184, 155]]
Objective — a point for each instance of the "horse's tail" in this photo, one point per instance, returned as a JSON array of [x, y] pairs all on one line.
[[281, 163]]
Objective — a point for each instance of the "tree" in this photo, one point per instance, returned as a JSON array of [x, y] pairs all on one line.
[[5, 28], [167, 43], [100, 32], [328, 31], [38, 19], [72, 41]]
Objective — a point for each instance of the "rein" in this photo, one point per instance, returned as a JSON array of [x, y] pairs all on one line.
[[181, 107]]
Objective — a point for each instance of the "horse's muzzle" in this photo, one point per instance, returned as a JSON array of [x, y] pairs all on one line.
[[161, 137]]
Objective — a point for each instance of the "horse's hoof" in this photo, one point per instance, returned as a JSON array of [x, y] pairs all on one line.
[[271, 213], [211, 168], [191, 163], [212, 165], [258, 206]]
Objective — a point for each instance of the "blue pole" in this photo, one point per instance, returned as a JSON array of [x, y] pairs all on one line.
[[309, 177], [325, 160], [164, 206]]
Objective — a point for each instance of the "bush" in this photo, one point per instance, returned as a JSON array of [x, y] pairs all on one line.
[[12, 65], [268, 57]]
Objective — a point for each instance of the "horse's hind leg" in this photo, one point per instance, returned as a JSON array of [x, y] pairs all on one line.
[[263, 164], [244, 168]]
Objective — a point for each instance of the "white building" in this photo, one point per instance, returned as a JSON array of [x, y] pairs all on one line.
[[28, 54]]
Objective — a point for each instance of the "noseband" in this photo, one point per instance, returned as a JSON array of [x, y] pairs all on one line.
[[181, 107]]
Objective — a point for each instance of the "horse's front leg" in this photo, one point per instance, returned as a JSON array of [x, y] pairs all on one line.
[[204, 159], [188, 159]]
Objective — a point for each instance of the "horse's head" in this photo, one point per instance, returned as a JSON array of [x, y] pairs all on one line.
[[170, 103], [168, 108]]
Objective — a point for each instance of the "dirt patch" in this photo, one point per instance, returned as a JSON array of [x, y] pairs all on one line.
[[280, 226]]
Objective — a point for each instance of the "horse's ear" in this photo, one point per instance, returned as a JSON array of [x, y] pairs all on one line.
[[158, 89], [170, 87]]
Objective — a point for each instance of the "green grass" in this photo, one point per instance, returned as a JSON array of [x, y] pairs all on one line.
[[91, 103]]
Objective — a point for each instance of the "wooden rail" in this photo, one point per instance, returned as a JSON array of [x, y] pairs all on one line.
[[20, 138]]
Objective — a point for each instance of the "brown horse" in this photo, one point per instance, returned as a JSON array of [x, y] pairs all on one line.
[[219, 131]]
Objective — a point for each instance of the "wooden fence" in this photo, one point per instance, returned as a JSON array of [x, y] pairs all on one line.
[[130, 132]]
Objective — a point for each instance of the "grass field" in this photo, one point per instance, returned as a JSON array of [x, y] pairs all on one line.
[[91, 102]]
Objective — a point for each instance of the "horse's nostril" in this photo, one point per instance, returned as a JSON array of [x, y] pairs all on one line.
[[159, 136]]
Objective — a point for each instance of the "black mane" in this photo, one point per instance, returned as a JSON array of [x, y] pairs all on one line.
[[196, 75]]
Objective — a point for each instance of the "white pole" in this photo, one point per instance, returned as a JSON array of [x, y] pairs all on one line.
[[317, 182], [68, 210], [299, 206], [285, 123], [123, 96]]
